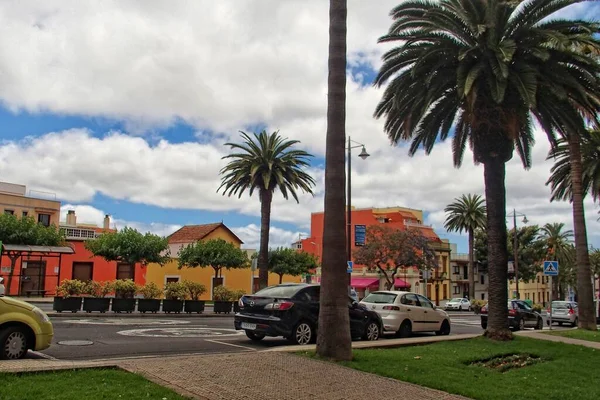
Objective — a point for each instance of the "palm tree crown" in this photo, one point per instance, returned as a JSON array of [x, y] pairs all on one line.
[[558, 242], [560, 178], [266, 162], [466, 213]]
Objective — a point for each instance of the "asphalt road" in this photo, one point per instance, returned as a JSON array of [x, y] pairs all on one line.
[[80, 338]]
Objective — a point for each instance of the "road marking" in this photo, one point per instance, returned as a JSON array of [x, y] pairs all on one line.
[[181, 332], [125, 321], [42, 355], [229, 344]]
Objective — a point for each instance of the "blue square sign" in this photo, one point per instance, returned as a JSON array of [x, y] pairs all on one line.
[[350, 266], [551, 268]]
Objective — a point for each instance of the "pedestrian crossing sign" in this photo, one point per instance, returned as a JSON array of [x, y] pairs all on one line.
[[551, 268]]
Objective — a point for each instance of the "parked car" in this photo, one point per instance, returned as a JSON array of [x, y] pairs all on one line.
[[23, 327], [520, 316], [2, 286], [407, 312], [458, 304], [292, 311], [564, 312]]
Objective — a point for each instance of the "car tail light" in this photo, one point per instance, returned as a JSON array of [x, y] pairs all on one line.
[[548, 310], [241, 303], [280, 306], [512, 312], [483, 310], [571, 311], [392, 308]]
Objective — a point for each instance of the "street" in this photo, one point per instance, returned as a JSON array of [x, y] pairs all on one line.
[[82, 337]]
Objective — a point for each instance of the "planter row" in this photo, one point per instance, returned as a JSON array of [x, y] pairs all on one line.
[[101, 304]]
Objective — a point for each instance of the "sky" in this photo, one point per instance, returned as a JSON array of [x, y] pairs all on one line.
[[123, 108]]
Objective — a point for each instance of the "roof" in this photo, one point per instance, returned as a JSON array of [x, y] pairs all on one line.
[[193, 233], [38, 249]]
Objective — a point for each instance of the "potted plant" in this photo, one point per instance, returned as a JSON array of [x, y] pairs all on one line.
[[222, 300], [193, 291], [67, 296], [236, 295], [124, 300], [174, 294], [96, 296], [151, 300]]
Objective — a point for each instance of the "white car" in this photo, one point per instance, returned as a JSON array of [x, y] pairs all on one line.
[[1, 286], [458, 304], [407, 312]]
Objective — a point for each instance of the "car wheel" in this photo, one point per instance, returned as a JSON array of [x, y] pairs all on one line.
[[405, 329], [257, 337], [372, 331], [574, 324], [540, 324], [13, 343], [444, 329], [460, 309], [303, 333]]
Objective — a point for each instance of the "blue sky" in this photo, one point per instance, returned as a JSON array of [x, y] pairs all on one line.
[[123, 108]]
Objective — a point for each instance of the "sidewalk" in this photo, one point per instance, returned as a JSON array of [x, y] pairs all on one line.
[[561, 339]]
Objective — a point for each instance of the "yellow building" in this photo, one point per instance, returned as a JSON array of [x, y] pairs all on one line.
[[536, 290], [245, 278], [14, 200]]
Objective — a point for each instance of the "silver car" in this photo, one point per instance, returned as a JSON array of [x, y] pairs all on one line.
[[564, 312]]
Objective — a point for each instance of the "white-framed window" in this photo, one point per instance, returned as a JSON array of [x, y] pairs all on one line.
[[172, 278], [456, 289]]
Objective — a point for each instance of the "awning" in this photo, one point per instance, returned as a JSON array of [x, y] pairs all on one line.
[[38, 249], [365, 282], [401, 284]]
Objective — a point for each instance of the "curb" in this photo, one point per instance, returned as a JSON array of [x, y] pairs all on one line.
[[71, 315]]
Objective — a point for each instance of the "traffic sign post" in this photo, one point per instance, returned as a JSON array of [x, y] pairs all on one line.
[[550, 270], [350, 267]]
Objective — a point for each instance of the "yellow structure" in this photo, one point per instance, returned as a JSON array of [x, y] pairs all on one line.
[[536, 290], [13, 200], [245, 279]]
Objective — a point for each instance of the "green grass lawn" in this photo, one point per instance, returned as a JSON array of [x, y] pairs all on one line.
[[84, 384], [567, 371], [578, 334]]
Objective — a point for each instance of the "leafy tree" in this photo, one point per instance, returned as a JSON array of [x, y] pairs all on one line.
[[388, 250], [467, 213], [266, 163], [214, 253], [25, 231], [595, 261], [286, 261], [483, 69], [130, 247], [530, 251]]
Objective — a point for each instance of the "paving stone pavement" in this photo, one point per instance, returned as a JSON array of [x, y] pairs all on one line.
[[273, 375], [561, 339]]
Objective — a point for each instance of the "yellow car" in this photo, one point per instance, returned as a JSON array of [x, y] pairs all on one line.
[[23, 327]]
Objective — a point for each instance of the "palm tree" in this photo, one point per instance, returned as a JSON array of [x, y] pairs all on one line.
[[333, 338], [266, 163], [484, 69], [467, 213], [559, 247]]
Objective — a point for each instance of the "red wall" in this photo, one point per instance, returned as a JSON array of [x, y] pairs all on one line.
[[102, 269]]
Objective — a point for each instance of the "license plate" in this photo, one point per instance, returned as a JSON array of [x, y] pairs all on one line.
[[246, 325]]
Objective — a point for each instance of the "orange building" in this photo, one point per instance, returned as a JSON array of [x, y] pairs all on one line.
[[364, 280]]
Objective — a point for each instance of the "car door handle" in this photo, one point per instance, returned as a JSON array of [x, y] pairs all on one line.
[[408, 309], [425, 312]]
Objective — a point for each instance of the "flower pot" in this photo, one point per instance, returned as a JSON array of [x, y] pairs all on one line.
[[148, 305], [123, 305], [222, 307], [170, 306], [100, 304], [72, 304], [236, 306], [194, 306]]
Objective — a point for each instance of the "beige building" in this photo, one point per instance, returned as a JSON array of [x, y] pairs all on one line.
[[536, 290], [14, 200], [459, 266]]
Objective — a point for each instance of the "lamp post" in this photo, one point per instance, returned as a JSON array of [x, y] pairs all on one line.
[[363, 154], [514, 215]]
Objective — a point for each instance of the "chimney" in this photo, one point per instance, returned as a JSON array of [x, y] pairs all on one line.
[[106, 222], [71, 218]]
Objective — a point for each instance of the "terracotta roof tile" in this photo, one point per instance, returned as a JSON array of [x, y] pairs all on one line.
[[193, 233]]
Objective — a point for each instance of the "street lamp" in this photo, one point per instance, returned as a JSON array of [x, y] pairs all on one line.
[[363, 154], [514, 215]]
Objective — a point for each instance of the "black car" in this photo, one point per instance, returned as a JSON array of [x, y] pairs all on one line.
[[520, 316], [292, 311]]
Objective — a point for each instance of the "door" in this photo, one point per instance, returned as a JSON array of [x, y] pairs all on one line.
[[311, 297], [414, 311], [83, 271], [33, 278], [432, 319], [527, 313], [357, 318]]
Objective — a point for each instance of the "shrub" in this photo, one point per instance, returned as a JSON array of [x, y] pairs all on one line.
[[194, 289], [237, 294], [175, 291], [150, 291], [477, 304], [124, 288], [70, 287], [97, 289], [221, 293], [537, 307]]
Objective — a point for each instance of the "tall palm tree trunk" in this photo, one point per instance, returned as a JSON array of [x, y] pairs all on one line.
[[471, 265], [495, 197], [585, 297], [266, 197], [333, 340]]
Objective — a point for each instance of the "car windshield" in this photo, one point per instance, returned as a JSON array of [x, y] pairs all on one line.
[[457, 300], [279, 291], [380, 298]]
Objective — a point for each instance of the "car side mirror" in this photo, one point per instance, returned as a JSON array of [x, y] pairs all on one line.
[[354, 304]]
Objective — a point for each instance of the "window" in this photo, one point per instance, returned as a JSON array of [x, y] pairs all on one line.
[[284, 291], [409, 300], [482, 296], [456, 270], [44, 219], [311, 294], [482, 280], [83, 271], [381, 298], [172, 279], [9, 212], [25, 213], [456, 290], [538, 279], [424, 302], [125, 271]]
